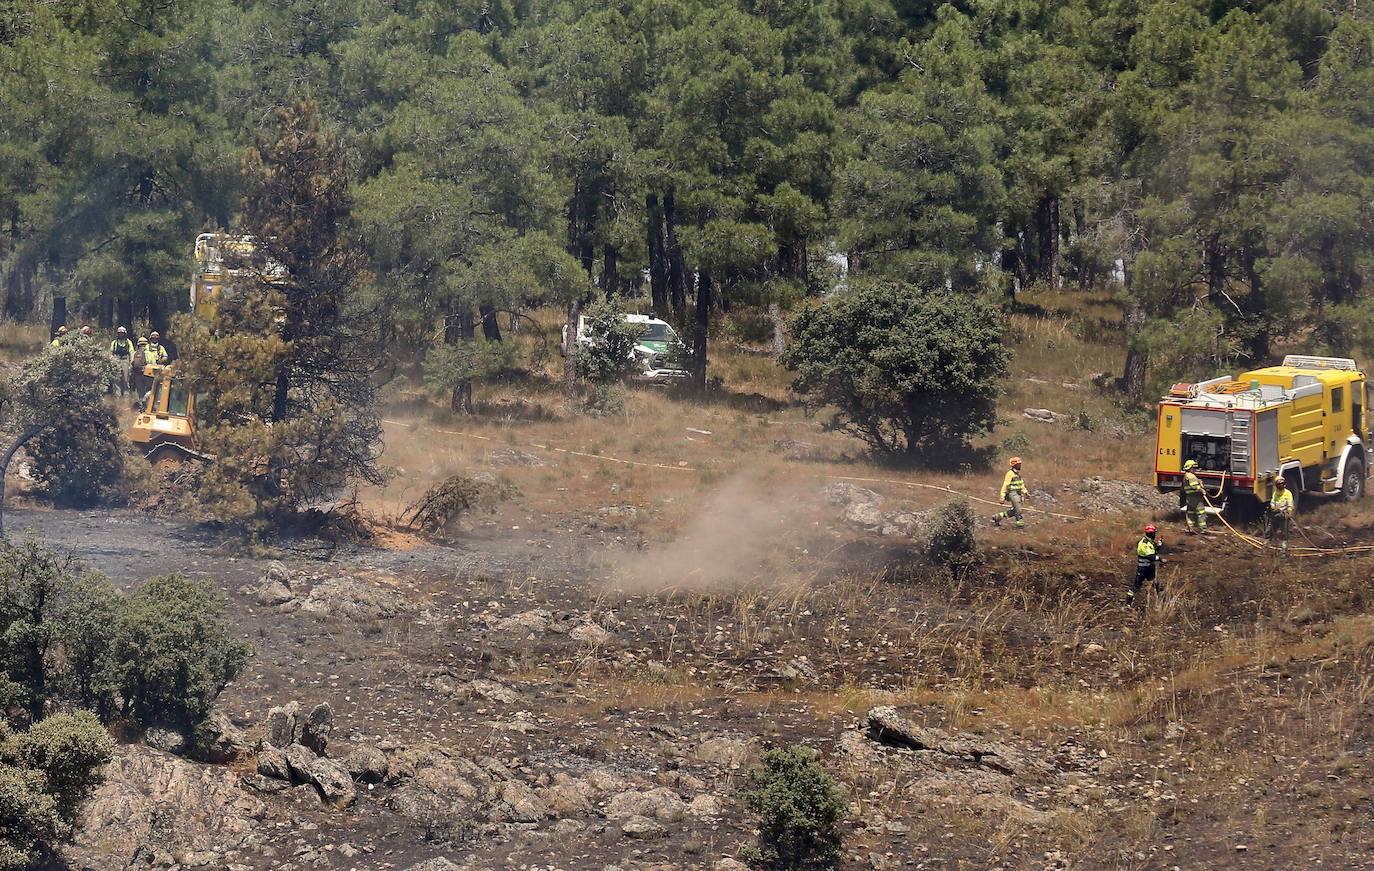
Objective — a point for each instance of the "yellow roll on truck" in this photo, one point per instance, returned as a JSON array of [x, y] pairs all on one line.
[[1308, 420]]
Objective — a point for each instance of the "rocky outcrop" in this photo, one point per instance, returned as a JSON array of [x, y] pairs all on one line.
[[887, 726], [139, 807]]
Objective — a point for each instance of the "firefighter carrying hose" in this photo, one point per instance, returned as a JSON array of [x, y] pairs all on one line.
[[1280, 512], [1013, 491], [1146, 559], [1192, 497]]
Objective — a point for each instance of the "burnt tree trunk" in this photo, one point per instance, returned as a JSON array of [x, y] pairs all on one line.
[[1257, 305], [491, 330], [126, 315], [658, 255], [677, 269], [1137, 358], [610, 271], [703, 323], [1215, 260], [59, 314], [1047, 229], [570, 349]]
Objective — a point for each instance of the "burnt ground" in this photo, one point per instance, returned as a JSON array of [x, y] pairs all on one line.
[[536, 716]]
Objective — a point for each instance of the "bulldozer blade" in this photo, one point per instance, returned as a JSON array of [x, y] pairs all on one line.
[[171, 452]]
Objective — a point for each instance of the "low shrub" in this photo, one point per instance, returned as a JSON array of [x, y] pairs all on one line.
[[800, 808], [949, 538]]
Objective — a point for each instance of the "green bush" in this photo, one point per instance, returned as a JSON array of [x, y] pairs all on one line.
[[79, 460], [910, 371], [949, 539], [45, 774], [173, 652], [609, 356], [800, 809]]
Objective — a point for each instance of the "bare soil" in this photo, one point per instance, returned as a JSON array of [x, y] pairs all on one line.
[[1229, 725]]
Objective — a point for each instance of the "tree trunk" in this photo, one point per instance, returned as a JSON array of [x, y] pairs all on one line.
[[107, 309], [279, 398], [658, 260], [677, 270], [1047, 229], [703, 324], [570, 349], [59, 314], [779, 335], [126, 315], [610, 271], [1215, 261], [461, 401], [19, 441], [491, 330], [1137, 358], [1257, 306]]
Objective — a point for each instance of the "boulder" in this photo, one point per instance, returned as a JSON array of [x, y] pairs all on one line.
[[333, 782], [298, 761], [661, 803], [316, 727], [438, 863], [726, 752], [272, 763], [282, 727], [643, 829], [354, 599], [887, 726], [518, 804], [366, 764], [167, 740], [219, 741], [590, 634]]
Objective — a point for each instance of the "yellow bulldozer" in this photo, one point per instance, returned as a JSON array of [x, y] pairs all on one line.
[[165, 426]]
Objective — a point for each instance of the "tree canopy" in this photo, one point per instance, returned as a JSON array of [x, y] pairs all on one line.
[[1211, 158]]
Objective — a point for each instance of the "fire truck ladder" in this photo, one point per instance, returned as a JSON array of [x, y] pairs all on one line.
[[1240, 445]]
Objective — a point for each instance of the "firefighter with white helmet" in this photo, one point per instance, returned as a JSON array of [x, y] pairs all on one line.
[[1280, 512], [1013, 491], [1193, 496], [1146, 559]]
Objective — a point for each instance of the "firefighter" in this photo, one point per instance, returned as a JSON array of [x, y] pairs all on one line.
[[156, 353], [1193, 496], [61, 337], [85, 332], [137, 379], [1146, 559], [122, 352], [1013, 491], [1280, 512]]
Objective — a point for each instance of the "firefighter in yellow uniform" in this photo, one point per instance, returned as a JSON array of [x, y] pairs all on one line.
[[1146, 559], [1280, 512], [1192, 498], [1013, 491]]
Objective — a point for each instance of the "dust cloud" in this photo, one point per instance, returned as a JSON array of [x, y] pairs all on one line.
[[747, 533]]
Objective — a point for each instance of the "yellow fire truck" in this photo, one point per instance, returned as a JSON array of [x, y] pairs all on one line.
[[1307, 419]]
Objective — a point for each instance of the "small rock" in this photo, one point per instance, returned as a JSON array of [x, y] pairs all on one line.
[[589, 633]]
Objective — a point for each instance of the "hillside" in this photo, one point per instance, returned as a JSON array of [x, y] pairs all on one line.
[[579, 671]]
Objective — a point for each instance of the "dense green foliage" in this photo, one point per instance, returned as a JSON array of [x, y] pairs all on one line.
[[45, 774], [159, 656], [948, 537], [1194, 157], [54, 408], [69, 640], [908, 371], [800, 809]]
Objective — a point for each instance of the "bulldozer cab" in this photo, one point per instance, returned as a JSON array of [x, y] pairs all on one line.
[[165, 427]]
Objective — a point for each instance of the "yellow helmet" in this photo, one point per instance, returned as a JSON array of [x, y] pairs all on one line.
[[1189, 465], [1279, 481]]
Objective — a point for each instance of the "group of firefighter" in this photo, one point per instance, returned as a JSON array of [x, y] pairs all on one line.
[[1147, 550], [130, 358]]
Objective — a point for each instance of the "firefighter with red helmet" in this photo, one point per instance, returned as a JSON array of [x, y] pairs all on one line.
[[1146, 559], [1013, 491]]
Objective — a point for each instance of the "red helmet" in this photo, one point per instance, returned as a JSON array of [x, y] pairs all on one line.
[[1151, 529], [1015, 461]]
